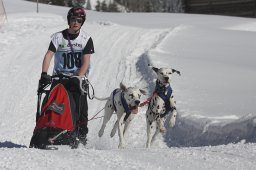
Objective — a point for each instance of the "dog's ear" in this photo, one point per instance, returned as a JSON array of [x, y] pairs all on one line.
[[155, 69], [123, 87], [143, 92], [176, 71]]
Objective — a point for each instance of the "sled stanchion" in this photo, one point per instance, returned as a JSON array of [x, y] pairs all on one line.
[[38, 106], [39, 96], [40, 91]]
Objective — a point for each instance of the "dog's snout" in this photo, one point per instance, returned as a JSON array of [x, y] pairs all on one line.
[[137, 102], [166, 78]]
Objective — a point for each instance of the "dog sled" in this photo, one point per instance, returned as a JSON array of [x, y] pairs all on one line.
[[56, 117]]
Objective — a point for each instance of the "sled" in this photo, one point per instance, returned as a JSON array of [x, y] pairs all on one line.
[[56, 119]]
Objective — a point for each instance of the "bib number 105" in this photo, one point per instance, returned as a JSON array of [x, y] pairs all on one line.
[[72, 59]]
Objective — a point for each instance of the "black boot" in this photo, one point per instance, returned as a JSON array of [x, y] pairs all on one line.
[[74, 141], [82, 130], [83, 140]]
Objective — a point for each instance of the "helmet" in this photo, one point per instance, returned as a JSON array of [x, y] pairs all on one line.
[[78, 12]]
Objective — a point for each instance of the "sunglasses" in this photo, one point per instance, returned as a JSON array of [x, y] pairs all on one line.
[[79, 20]]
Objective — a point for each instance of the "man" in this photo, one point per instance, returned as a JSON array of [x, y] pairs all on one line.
[[71, 49]]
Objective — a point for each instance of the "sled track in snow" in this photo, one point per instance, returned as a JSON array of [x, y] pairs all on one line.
[[192, 131]]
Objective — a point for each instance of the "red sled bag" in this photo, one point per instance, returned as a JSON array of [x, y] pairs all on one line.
[[57, 118], [56, 112]]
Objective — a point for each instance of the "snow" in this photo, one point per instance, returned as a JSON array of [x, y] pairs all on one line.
[[216, 96]]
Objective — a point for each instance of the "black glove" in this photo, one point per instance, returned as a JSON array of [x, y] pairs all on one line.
[[45, 79]]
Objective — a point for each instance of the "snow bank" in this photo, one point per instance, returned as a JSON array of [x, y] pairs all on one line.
[[198, 131]]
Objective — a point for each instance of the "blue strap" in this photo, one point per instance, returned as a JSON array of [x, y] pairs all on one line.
[[124, 103], [114, 93], [166, 98], [126, 107], [161, 92]]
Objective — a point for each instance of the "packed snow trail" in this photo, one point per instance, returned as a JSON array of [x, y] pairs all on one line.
[[129, 44]]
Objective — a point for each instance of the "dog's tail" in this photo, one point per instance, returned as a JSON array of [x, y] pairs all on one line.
[[101, 99]]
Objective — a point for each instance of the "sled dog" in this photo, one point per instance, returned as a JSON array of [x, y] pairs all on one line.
[[160, 104], [124, 102]]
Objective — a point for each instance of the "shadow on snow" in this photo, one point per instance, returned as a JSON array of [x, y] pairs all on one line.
[[193, 132], [8, 144]]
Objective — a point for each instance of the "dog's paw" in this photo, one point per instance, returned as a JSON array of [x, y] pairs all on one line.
[[172, 121], [121, 146], [100, 132], [113, 132], [148, 145]]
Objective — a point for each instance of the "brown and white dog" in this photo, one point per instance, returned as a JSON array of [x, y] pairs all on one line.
[[124, 102], [161, 103]]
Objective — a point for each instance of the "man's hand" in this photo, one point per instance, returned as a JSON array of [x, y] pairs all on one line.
[[45, 79]]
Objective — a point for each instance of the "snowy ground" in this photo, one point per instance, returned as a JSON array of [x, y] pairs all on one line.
[[216, 96]]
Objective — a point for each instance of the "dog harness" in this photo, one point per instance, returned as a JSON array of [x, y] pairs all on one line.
[[165, 92], [124, 103], [114, 93]]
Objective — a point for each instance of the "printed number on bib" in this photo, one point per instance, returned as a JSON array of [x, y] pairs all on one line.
[[72, 59]]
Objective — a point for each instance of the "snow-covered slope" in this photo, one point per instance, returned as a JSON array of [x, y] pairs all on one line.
[[215, 93]]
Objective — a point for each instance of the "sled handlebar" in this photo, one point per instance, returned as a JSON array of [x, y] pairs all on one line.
[[61, 76], [42, 87]]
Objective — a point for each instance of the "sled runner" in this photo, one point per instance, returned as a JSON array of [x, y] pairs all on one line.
[[57, 119]]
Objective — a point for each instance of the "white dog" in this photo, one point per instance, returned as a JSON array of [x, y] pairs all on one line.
[[160, 104], [124, 102]]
